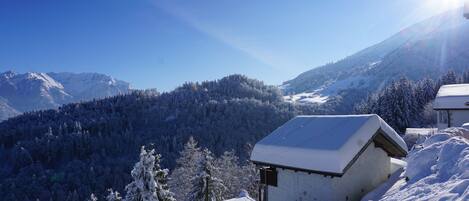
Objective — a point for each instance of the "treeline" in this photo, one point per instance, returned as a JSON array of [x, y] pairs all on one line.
[[405, 103], [83, 148], [199, 176]]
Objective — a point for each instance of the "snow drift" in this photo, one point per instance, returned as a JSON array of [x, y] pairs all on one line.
[[243, 196], [438, 169]]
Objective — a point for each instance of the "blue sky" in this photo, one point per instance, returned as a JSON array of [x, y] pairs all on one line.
[[162, 44]]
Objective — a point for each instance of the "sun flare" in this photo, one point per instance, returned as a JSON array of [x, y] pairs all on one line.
[[437, 6]]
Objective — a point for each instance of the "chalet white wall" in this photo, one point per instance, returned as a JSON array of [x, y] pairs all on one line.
[[370, 170], [458, 118]]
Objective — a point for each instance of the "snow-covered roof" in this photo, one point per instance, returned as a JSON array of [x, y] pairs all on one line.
[[325, 143], [454, 96], [420, 131]]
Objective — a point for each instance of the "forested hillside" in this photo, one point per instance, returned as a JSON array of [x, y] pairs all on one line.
[[405, 103], [424, 50], [84, 148]]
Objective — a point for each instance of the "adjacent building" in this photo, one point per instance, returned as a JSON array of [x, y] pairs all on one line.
[[329, 157], [452, 105]]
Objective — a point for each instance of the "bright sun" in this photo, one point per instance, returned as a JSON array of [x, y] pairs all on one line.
[[438, 6]]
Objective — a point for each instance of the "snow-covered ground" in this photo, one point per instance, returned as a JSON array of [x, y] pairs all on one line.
[[330, 89], [417, 135], [241, 199], [243, 196], [438, 169], [312, 97]]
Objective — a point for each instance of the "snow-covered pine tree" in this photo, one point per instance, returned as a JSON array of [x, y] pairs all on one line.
[[250, 179], [143, 186], [229, 171], [397, 104], [180, 179], [113, 196], [425, 91], [465, 77], [385, 102], [206, 187], [161, 176], [449, 78], [406, 103], [93, 197]]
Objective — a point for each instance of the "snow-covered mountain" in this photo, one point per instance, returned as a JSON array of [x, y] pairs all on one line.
[[6, 110], [33, 91], [424, 49], [85, 86]]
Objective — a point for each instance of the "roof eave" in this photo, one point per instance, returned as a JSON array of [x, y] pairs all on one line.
[[309, 171]]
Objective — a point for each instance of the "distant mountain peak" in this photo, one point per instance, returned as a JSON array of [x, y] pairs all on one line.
[[21, 92], [47, 81], [8, 74]]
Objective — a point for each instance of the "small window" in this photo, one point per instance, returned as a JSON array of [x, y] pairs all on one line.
[[268, 176]]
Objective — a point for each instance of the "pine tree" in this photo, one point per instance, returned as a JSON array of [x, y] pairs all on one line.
[[229, 172], [93, 197], [425, 91], [396, 104], [113, 196], [400, 105], [180, 179], [161, 176], [206, 187], [250, 179], [143, 187], [449, 78], [465, 77]]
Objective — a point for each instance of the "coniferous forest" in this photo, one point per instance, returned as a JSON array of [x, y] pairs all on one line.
[[88, 148], [405, 103]]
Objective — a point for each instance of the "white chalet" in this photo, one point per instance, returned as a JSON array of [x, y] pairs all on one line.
[[327, 157], [452, 105]]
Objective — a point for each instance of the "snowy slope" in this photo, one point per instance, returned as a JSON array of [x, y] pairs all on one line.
[[6, 111], [34, 90], [313, 97], [87, 86], [424, 49], [438, 169], [29, 91]]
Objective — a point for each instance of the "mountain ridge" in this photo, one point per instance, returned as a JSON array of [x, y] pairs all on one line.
[[425, 49], [23, 92]]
